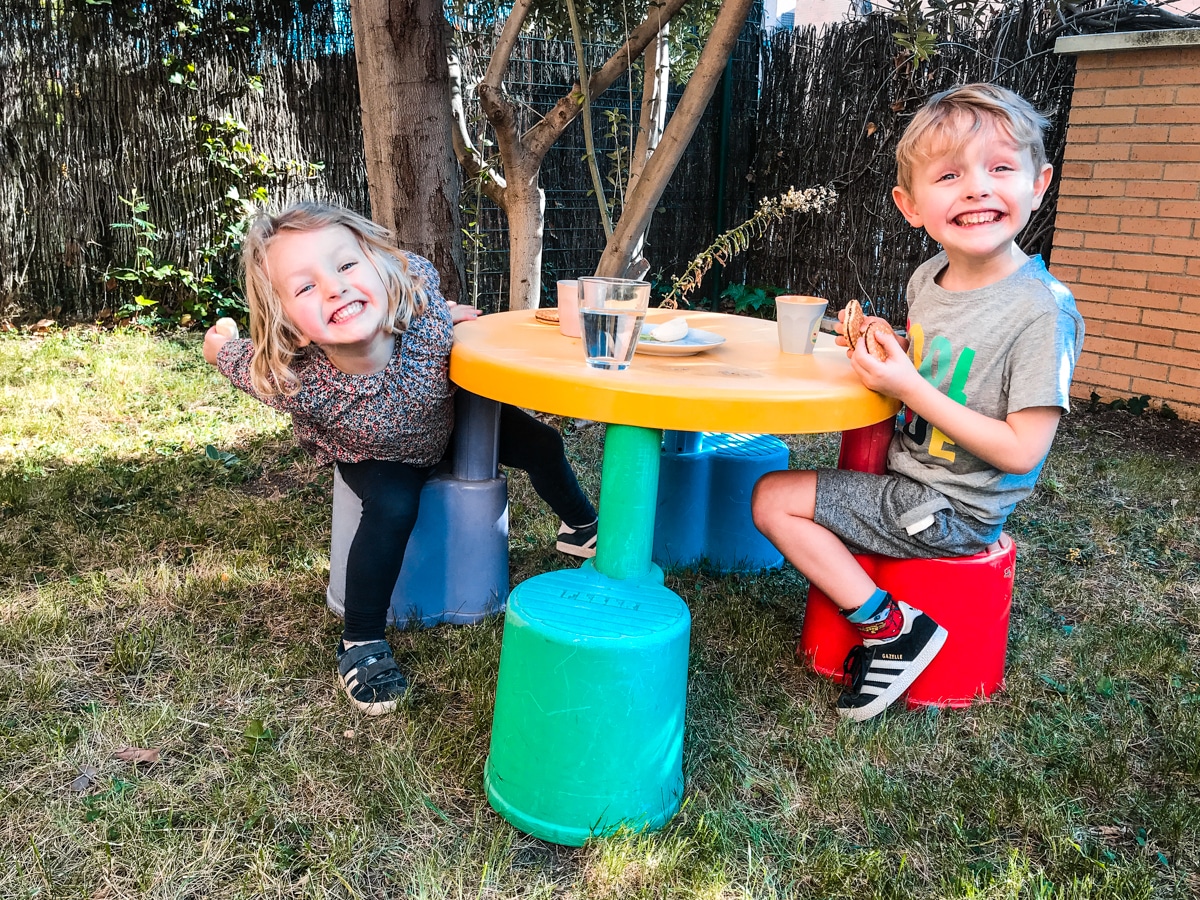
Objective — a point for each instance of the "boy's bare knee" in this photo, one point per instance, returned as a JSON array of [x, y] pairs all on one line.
[[762, 491], [764, 499]]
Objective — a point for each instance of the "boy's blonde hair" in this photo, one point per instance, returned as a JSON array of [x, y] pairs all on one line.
[[950, 119], [276, 340]]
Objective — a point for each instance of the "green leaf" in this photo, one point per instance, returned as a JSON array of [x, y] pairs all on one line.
[[433, 806], [1061, 688], [257, 731]]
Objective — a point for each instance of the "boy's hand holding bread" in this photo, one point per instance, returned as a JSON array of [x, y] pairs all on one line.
[[856, 325]]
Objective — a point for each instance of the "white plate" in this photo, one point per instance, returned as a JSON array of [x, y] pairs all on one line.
[[696, 341]]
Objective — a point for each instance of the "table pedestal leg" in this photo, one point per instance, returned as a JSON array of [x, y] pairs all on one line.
[[587, 730], [628, 498]]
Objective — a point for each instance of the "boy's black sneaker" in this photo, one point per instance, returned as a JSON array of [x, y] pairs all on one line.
[[579, 541], [370, 677], [879, 671]]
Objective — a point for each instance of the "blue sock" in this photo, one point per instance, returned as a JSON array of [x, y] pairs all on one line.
[[875, 604]]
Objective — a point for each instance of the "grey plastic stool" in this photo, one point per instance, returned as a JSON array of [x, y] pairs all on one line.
[[456, 563]]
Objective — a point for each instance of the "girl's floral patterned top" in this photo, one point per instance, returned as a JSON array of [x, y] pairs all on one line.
[[404, 413]]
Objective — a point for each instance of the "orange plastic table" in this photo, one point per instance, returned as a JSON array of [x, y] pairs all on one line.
[[743, 385]]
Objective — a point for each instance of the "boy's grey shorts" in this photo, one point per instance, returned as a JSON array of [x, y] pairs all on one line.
[[866, 512]]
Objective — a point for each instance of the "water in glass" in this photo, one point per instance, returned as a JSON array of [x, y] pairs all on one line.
[[610, 336]]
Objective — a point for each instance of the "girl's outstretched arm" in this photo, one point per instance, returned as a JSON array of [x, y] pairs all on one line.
[[460, 313], [214, 339], [213, 342]]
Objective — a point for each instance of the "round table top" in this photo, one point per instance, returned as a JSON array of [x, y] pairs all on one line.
[[743, 385]]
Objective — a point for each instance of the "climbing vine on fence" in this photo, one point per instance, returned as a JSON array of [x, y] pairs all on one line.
[[157, 288]]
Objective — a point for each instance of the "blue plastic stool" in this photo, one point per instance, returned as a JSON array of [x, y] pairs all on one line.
[[587, 733], [705, 483], [456, 562]]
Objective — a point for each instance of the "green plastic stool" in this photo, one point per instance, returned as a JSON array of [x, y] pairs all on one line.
[[587, 735]]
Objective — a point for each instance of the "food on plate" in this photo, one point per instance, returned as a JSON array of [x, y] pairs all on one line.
[[671, 330]]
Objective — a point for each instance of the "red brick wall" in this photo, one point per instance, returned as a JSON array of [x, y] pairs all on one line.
[[1127, 238]]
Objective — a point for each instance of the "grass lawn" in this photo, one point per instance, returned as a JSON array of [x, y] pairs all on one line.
[[154, 597]]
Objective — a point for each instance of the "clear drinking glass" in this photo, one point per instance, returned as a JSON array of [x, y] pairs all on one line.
[[611, 312]]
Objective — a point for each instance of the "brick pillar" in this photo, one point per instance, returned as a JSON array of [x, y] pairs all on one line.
[[1127, 233]]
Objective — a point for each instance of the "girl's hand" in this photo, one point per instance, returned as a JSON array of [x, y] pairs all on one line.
[[213, 342], [459, 313], [895, 376]]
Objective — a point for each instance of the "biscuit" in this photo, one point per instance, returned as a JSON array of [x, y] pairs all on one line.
[[875, 328], [853, 323]]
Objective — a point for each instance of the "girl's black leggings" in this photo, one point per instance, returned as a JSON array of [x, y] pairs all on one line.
[[391, 495]]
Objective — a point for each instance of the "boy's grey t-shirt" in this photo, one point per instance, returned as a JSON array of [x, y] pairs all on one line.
[[999, 349]]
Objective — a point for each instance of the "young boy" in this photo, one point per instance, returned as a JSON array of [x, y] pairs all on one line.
[[993, 339]]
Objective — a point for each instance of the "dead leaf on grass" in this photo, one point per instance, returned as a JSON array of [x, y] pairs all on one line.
[[86, 775], [138, 755]]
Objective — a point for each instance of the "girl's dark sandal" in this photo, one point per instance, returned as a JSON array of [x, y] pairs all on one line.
[[370, 677]]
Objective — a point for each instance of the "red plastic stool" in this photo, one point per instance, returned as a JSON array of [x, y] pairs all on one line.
[[969, 596]]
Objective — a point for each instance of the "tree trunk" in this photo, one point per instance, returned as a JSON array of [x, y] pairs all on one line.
[[404, 83], [525, 209], [521, 154]]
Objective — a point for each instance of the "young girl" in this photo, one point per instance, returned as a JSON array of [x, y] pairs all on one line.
[[352, 337]]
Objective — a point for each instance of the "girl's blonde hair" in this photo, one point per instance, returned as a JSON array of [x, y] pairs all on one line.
[[276, 341], [950, 119]]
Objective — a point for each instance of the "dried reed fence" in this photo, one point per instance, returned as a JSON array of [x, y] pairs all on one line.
[[90, 115], [834, 104]]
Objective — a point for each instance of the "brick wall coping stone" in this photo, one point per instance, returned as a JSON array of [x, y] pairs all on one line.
[[1128, 40]]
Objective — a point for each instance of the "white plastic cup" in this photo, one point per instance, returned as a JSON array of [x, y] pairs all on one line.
[[611, 313], [799, 320], [568, 307]]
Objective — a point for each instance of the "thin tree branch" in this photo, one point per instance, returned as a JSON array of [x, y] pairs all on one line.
[[491, 182], [588, 141], [645, 196], [542, 135], [509, 35], [653, 116]]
